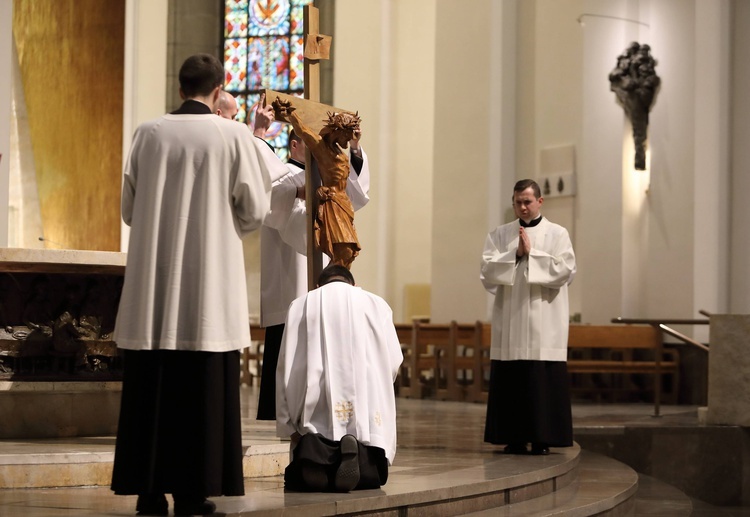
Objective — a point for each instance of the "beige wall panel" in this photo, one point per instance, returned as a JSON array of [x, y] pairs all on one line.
[[71, 58]]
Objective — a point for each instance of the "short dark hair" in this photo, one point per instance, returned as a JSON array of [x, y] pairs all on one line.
[[334, 272], [200, 74], [294, 136], [522, 185]]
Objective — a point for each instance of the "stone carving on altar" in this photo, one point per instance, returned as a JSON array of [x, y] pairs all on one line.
[[335, 234], [58, 327], [636, 84]]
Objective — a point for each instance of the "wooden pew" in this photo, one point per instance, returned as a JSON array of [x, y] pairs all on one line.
[[451, 361], [426, 360], [252, 354], [619, 346]]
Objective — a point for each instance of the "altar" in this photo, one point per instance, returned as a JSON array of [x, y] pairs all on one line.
[[60, 371]]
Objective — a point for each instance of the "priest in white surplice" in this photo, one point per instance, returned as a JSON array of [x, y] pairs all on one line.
[[194, 185], [527, 264], [338, 360]]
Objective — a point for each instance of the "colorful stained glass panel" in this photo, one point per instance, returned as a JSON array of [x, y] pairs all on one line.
[[241, 108], [297, 64], [235, 24], [298, 18], [263, 48], [235, 64], [269, 63], [236, 5], [268, 17]]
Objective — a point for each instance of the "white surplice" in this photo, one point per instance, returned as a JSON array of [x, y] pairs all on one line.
[[530, 315], [194, 185], [338, 361], [283, 240]]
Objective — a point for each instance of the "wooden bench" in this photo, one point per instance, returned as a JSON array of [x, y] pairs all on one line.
[[423, 372], [470, 361], [252, 354], [445, 361], [623, 349]]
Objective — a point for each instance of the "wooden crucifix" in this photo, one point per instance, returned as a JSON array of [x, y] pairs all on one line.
[[325, 130]]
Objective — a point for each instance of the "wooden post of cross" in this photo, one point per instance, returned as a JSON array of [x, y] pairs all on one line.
[[313, 115], [317, 47]]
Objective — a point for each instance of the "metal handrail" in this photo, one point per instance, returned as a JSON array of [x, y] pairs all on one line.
[[683, 337], [656, 322], [661, 324]]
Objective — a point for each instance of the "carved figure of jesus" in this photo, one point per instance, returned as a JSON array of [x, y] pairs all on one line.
[[335, 234]]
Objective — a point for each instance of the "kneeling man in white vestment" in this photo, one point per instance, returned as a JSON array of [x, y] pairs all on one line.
[[334, 386]]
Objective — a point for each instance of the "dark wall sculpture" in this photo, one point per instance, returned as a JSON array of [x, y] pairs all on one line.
[[58, 327], [635, 83]]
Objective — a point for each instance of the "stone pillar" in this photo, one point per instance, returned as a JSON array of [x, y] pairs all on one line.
[[729, 370]]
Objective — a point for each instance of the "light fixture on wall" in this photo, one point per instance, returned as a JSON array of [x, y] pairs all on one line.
[[636, 84]]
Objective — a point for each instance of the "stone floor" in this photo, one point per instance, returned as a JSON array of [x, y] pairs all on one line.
[[435, 440]]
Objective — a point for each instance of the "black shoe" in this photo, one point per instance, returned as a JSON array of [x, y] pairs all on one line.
[[314, 478], [152, 504], [539, 449], [191, 505], [347, 475], [515, 448]]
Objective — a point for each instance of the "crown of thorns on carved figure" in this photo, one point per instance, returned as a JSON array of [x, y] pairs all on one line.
[[341, 122]]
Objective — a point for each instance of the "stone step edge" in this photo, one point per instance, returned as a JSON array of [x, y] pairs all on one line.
[[604, 486], [80, 469]]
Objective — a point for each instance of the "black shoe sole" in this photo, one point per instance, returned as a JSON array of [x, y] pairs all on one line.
[[347, 475]]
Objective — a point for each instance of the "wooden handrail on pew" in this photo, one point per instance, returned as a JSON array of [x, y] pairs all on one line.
[[662, 325]]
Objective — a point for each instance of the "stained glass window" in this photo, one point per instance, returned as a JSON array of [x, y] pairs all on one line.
[[263, 46]]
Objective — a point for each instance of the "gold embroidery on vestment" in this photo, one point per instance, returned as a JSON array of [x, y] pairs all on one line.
[[344, 411]]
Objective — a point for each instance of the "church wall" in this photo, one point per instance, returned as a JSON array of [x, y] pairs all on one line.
[[71, 60], [411, 148], [671, 248], [712, 159], [739, 186], [461, 158], [384, 68], [6, 46], [195, 26], [145, 73], [602, 216], [363, 82], [558, 76], [636, 233]]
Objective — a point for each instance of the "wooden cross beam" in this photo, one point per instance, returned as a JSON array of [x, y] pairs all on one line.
[[313, 114]]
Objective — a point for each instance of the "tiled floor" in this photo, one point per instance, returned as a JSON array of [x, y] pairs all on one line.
[[435, 439]]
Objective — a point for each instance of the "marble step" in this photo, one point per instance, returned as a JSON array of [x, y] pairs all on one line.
[[425, 482], [87, 461], [603, 486]]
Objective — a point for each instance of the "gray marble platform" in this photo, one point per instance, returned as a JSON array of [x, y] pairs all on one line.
[[441, 456]]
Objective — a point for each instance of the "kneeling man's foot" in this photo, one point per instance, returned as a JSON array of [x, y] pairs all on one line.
[[314, 477], [515, 448], [347, 475]]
